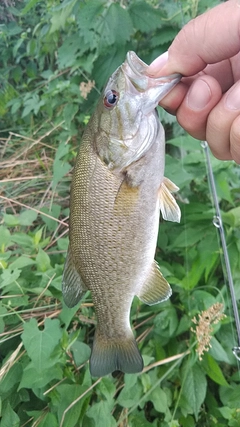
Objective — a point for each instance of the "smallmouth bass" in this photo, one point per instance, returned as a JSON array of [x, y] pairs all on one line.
[[118, 190]]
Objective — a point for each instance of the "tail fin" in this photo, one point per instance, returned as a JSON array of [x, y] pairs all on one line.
[[110, 355]]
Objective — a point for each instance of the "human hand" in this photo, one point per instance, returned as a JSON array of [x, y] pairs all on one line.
[[207, 100]]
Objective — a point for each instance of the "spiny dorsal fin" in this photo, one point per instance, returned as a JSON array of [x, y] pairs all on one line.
[[115, 354], [168, 205], [156, 288], [73, 287]]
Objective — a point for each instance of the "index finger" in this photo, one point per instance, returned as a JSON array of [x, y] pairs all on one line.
[[207, 39]]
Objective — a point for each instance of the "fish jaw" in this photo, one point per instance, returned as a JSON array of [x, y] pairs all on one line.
[[153, 89]]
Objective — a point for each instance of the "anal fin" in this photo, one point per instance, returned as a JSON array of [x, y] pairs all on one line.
[[156, 288], [168, 205], [73, 287]]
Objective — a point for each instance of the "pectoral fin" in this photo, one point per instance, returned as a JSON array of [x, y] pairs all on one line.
[[168, 205], [156, 288], [126, 198], [73, 287]]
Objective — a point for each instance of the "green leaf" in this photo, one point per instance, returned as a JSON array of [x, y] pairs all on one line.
[[27, 217], [16, 104], [4, 257], [139, 420], [107, 389], [21, 262], [89, 16], [11, 378], [201, 300], [10, 220], [101, 413], [54, 211], [223, 187], [32, 104], [159, 399], [233, 254], [68, 393], [34, 379], [218, 352], [8, 277], [37, 236], [203, 262], [213, 370], [69, 112], [177, 173], [116, 26], [7, 94], [9, 417], [61, 14], [230, 396], [226, 412], [81, 352], [63, 243], [191, 236], [166, 322], [43, 261], [23, 240], [29, 6], [49, 420], [3, 311], [145, 17], [5, 238], [185, 422], [70, 51], [131, 392], [67, 314], [60, 167], [166, 35], [40, 344], [186, 142], [194, 386], [232, 217]]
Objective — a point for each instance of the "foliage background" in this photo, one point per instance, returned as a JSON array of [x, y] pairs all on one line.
[[52, 53]]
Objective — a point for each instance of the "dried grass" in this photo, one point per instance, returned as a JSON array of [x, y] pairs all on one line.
[[26, 171]]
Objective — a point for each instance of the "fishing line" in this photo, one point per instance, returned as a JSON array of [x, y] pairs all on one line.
[[183, 208], [182, 149], [217, 222]]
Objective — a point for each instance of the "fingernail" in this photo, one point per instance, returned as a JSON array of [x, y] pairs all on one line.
[[199, 95], [158, 63], [232, 100]]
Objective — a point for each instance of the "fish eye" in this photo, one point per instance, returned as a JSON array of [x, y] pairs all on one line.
[[111, 98]]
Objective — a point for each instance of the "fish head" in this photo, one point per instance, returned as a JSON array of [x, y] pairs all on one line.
[[127, 121]]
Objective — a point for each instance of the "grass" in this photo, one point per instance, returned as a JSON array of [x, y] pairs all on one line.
[[34, 220]]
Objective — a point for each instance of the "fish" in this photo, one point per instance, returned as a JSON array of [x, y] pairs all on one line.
[[118, 190]]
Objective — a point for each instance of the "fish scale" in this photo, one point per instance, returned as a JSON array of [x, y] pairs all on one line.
[[117, 191]]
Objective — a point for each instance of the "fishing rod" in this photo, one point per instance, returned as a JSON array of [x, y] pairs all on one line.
[[217, 222]]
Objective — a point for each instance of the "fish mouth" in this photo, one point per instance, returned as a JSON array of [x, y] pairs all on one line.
[[154, 88]]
